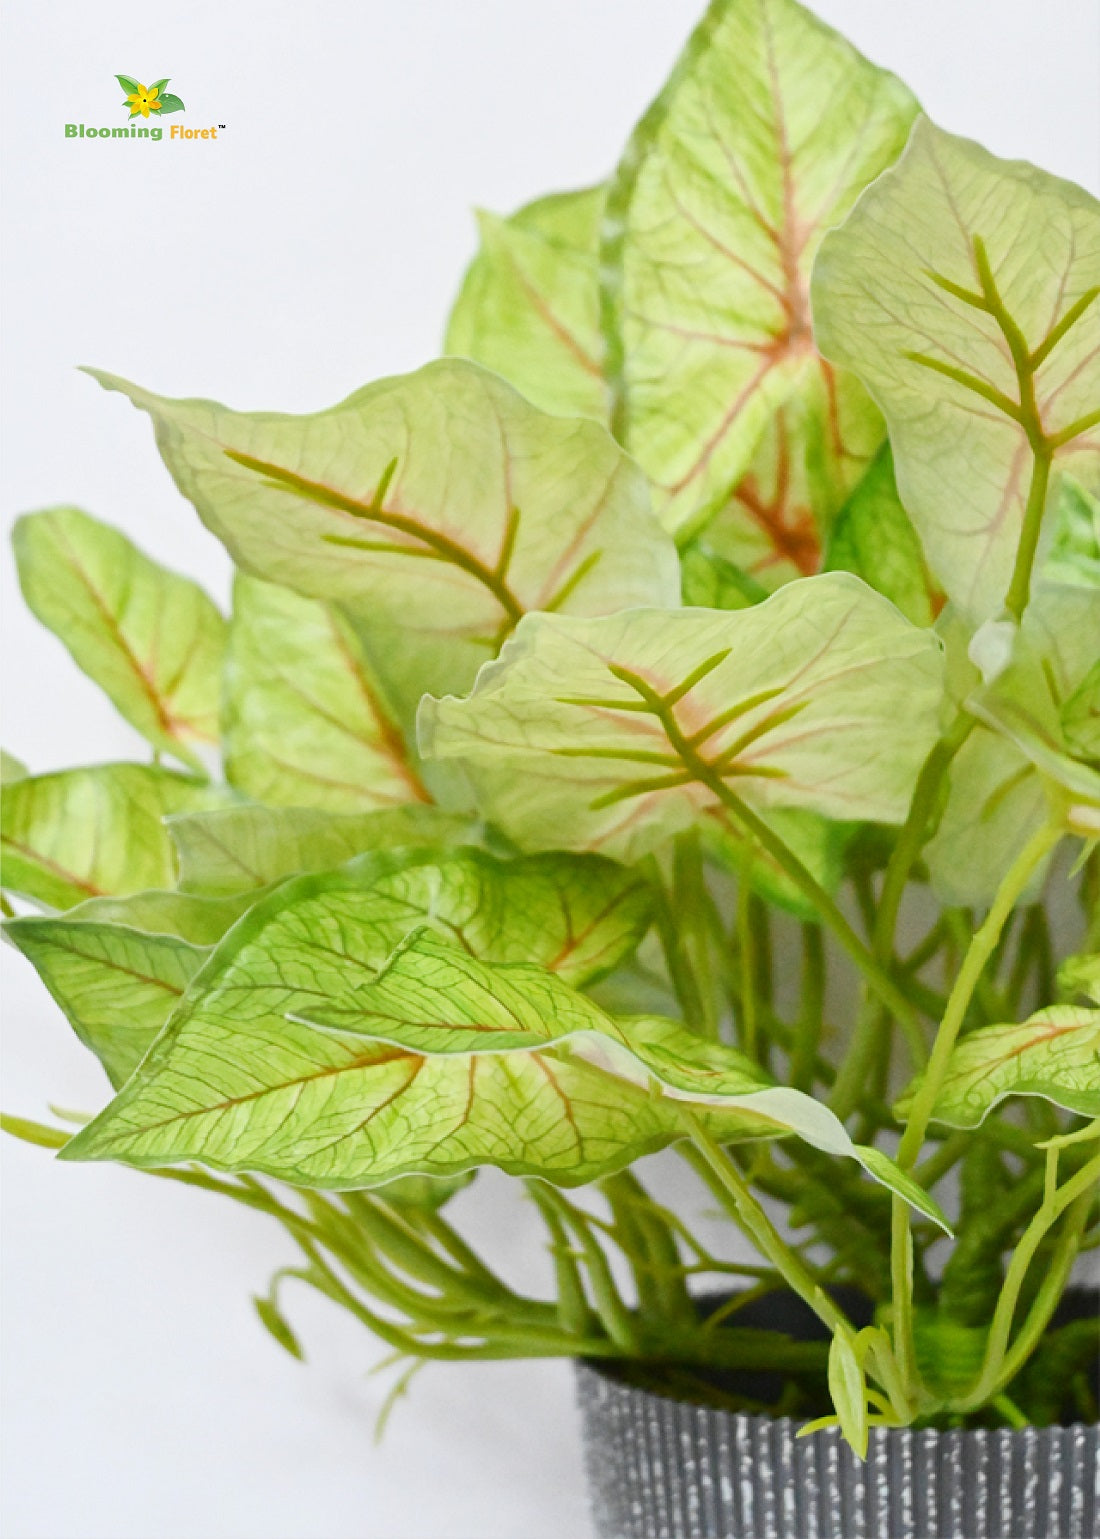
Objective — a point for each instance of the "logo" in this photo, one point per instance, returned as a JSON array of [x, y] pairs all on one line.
[[145, 107], [148, 99]]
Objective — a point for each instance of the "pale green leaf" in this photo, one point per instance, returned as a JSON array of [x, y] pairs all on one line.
[[995, 804], [149, 638], [116, 985], [711, 581], [1054, 1054], [306, 722], [873, 538], [1080, 715], [616, 733], [997, 800], [529, 303], [119, 966], [242, 849], [441, 1063], [944, 259], [815, 451], [87, 833], [11, 768], [768, 129], [438, 506]]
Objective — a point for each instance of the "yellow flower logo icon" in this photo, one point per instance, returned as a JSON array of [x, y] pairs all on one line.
[[143, 100]]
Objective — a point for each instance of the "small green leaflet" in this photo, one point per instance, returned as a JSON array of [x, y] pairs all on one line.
[[766, 132], [1074, 554], [438, 507], [529, 304], [1054, 1054], [240, 849], [963, 291], [86, 833], [305, 720], [1080, 715], [617, 733], [442, 1063], [150, 639]]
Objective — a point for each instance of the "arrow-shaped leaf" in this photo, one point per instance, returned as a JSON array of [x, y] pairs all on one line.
[[442, 1063], [616, 733], [305, 719], [119, 966], [769, 127], [439, 506], [529, 303], [964, 292], [150, 639], [1054, 1054]]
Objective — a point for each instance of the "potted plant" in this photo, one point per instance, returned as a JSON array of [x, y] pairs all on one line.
[[668, 720]]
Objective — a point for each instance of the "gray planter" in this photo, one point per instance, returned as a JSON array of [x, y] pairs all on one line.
[[660, 1468]]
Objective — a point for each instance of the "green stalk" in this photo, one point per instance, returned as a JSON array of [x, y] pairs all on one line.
[[978, 953], [1001, 1365], [726, 1182], [811, 1009]]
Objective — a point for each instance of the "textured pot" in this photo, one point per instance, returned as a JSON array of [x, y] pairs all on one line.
[[660, 1468]]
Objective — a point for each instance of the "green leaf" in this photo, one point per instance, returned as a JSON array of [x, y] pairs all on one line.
[[1054, 1054], [241, 849], [117, 986], [159, 85], [37, 1133], [428, 1193], [11, 768], [438, 506], [86, 833], [305, 719], [529, 303], [1074, 555], [712, 582], [119, 966], [848, 1391], [818, 843], [1080, 714], [150, 639], [128, 84], [768, 129], [441, 1063], [950, 261], [1080, 974], [617, 733], [873, 538], [997, 799], [169, 104], [274, 1321]]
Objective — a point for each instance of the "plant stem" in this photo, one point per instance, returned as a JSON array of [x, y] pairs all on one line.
[[1001, 1365], [978, 953], [729, 1186]]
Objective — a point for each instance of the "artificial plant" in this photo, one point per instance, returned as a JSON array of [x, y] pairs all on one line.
[[668, 720]]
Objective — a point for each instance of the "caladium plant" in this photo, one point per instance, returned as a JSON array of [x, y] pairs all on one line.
[[668, 721]]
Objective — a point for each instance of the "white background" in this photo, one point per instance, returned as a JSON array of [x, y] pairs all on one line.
[[314, 247]]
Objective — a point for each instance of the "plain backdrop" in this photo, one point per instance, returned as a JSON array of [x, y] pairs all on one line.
[[316, 246]]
